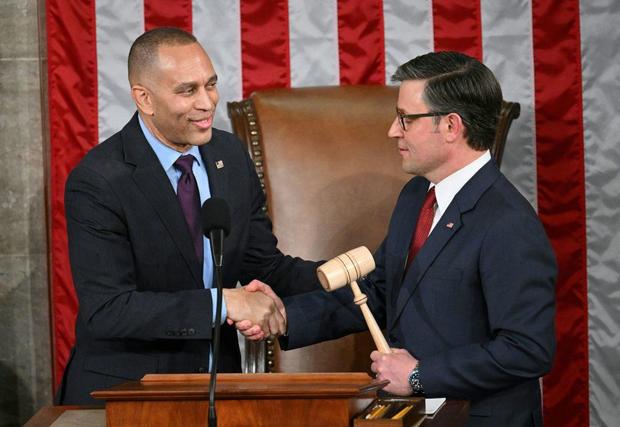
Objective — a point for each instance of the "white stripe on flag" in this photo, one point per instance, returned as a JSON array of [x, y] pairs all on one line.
[[119, 23], [601, 120], [216, 25], [408, 32], [507, 51], [313, 41]]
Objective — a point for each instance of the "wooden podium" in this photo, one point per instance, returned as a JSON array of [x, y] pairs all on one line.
[[339, 399], [321, 399]]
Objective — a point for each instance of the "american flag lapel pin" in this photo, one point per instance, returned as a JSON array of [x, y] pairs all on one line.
[[219, 164], [450, 225]]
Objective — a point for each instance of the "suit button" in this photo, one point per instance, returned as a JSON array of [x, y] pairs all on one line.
[[393, 338], [202, 370], [191, 331]]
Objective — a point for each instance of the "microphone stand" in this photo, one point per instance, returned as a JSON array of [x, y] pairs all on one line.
[[217, 245]]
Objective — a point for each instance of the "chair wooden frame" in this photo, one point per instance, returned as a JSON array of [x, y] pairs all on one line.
[[259, 357]]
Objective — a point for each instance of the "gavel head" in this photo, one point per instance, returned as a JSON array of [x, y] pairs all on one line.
[[346, 268]]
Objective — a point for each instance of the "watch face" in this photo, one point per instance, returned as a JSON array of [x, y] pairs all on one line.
[[414, 380]]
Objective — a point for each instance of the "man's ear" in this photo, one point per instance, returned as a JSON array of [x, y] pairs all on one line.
[[453, 127], [143, 99]]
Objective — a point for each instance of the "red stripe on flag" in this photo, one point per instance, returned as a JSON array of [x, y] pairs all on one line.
[[265, 57], [457, 26], [166, 13], [361, 42], [561, 201], [72, 88]]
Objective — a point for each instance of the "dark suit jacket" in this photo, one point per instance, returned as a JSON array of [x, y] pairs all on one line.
[[142, 304], [476, 307]]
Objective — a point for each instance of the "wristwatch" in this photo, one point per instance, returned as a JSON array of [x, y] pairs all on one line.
[[414, 380]]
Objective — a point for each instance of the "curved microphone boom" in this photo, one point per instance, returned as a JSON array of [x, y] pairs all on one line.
[[215, 217]]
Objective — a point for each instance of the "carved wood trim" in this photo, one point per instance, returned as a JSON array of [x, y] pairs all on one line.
[[509, 112], [258, 357]]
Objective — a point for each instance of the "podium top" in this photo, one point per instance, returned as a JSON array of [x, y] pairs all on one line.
[[245, 386]]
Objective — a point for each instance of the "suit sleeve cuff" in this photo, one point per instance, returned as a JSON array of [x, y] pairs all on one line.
[[294, 317]]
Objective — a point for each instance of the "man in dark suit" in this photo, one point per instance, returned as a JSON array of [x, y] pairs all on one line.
[[141, 266], [464, 280]]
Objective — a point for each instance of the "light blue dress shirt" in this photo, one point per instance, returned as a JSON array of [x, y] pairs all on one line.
[[167, 156]]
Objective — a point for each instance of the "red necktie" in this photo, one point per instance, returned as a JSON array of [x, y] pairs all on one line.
[[423, 227]]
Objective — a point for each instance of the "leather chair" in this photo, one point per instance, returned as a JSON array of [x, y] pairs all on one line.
[[331, 176]]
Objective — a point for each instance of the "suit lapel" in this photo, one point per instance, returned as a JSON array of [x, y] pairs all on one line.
[[216, 166], [436, 241], [151, 178], [405, 225], [448, 225]]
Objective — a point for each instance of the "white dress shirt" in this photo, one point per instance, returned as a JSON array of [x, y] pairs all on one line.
[[447, 188]]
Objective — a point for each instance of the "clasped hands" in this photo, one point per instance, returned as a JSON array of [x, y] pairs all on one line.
[[255, 310]]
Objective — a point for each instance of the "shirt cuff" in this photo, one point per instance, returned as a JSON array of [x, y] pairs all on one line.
[[214, 304]]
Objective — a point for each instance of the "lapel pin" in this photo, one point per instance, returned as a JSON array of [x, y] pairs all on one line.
[[219, 164], [450, 225]]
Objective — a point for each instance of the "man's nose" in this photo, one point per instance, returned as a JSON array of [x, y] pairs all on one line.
[[395, 131], [206, 99]]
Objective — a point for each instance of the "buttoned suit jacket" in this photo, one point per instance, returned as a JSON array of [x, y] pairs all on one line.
[[476, 306], [142, 303]]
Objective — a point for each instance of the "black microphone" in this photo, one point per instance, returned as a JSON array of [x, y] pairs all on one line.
[[215, 217]]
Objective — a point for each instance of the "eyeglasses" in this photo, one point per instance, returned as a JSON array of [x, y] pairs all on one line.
[[402, 117]]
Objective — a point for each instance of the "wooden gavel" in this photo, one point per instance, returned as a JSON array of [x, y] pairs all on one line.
[[346, 269]]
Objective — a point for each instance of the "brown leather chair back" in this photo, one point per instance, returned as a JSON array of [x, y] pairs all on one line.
[[331, 176]]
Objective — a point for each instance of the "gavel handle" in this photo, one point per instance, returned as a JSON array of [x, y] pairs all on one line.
[[375, 331]]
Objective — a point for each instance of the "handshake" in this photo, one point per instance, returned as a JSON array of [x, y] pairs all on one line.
[[255, 310]]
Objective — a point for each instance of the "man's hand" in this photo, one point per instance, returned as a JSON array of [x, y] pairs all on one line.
[[251, 330], [257, 285], [395, 367], [256, 308]]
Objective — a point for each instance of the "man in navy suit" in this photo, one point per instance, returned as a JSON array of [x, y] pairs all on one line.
[[464, 280], [141, 269]]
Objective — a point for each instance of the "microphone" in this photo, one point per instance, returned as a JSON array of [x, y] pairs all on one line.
[[215, 217]]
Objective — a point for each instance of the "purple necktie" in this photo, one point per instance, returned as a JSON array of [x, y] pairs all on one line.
[[187, 192]]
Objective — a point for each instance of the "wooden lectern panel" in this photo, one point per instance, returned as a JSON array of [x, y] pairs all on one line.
[[241, 399]]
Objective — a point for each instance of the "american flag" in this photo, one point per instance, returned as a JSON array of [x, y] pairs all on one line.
[[558, 59]]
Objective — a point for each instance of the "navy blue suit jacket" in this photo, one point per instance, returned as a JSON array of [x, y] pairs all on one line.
[[476, 306], [142, 304]]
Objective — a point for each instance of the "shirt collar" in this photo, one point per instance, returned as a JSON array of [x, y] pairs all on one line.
[[447, 188], [166, 155]]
